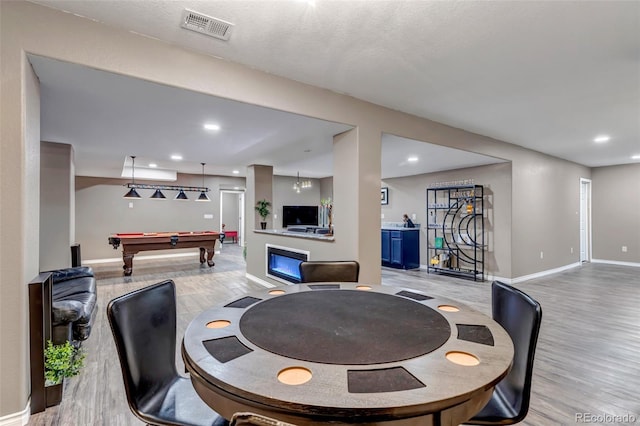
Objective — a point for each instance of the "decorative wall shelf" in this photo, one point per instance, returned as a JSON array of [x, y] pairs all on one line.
[[455, 228]]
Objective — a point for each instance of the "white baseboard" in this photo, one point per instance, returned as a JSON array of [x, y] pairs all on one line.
[[497, 278], [616, 262], [490, 277], [151, 256], [259, 281], [17, 419], [544, 273]]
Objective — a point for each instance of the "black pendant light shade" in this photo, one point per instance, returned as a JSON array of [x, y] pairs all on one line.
[[203, 195], [132, 194], [158, 195], [181, 196]]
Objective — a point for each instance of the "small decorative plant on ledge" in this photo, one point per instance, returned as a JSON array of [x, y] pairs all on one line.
[[262, 207], [62, 361]]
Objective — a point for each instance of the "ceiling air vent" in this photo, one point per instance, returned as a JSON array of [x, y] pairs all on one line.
[[206, 25]]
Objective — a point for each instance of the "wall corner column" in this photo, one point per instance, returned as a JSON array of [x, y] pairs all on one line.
[[259, 185], [356, 194]]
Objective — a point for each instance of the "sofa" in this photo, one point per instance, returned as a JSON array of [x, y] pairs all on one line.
[[73, 308]]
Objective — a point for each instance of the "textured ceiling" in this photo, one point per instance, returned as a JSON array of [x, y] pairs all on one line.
[[550, 76]]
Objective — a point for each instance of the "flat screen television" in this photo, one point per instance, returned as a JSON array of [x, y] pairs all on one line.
[[299, 215]]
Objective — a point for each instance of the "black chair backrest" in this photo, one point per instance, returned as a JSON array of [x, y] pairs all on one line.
[[143, 323], [325, 271], [520, 315]]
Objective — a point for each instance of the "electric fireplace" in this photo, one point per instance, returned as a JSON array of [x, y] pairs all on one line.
[[283, 263]]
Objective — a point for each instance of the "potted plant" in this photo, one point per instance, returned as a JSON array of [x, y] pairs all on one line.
[[60, 361], [262, 207]]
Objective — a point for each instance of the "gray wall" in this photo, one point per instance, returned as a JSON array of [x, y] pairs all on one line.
[[19, 215], [57, 205], [101, 211], [615, 198], [326, 188], [408, 195], [545, 213], [284, 195]]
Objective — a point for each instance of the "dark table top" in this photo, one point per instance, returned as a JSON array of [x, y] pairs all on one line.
[[346, 348]]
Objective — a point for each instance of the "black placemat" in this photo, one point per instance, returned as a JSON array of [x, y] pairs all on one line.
[[381, 380], [242, 303], [226, 348], [475, 333], [412, 295]]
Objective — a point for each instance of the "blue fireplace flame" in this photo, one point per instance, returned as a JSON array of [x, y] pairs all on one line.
[[285, 264]]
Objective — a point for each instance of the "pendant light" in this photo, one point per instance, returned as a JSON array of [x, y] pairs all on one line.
[[203, 195], [158, 195], [181, 195], [132, 194], [301, 185]]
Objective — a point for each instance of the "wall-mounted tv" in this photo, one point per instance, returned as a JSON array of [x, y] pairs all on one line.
[[299, 215]]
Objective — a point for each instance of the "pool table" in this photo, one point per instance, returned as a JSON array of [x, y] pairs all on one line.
[[133, 243]]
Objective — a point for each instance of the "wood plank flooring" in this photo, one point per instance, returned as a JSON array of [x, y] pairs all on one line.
[[586, 362]]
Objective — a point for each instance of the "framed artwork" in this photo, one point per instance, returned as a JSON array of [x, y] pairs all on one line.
[[384, 195]]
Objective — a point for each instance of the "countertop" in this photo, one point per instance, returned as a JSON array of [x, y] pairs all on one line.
[[285, 233]]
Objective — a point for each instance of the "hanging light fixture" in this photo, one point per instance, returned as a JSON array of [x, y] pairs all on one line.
[[132, 194], [181, 195], [203, 195], [158, 195], [305, 184]]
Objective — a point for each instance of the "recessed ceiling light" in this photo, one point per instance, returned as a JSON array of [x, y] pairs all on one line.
[[211, 126], [176, 157], [635, 157], [235, 172], [153, 165], [601, 139], [412, 159]]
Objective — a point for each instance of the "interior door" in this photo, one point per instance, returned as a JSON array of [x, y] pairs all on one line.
[[585, 220], [241, 219]]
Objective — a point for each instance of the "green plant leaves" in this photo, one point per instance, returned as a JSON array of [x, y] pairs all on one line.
[[62, 361], [262, 207]]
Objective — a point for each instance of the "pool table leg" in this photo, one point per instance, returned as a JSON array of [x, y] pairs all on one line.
[[128, 263], [210, 252]]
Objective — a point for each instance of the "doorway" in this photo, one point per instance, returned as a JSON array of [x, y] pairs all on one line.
[[585, 220], [232, 213]]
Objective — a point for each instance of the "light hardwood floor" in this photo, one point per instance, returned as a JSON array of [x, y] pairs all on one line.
[[587, 360]]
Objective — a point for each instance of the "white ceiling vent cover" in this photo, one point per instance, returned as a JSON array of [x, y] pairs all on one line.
[[206, 25]]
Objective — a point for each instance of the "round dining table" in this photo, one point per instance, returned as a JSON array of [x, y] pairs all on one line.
[[346, 353]]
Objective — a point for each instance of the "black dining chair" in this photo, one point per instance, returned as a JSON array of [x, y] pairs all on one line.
[[520, 315], [143, 324], [329, 271]]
